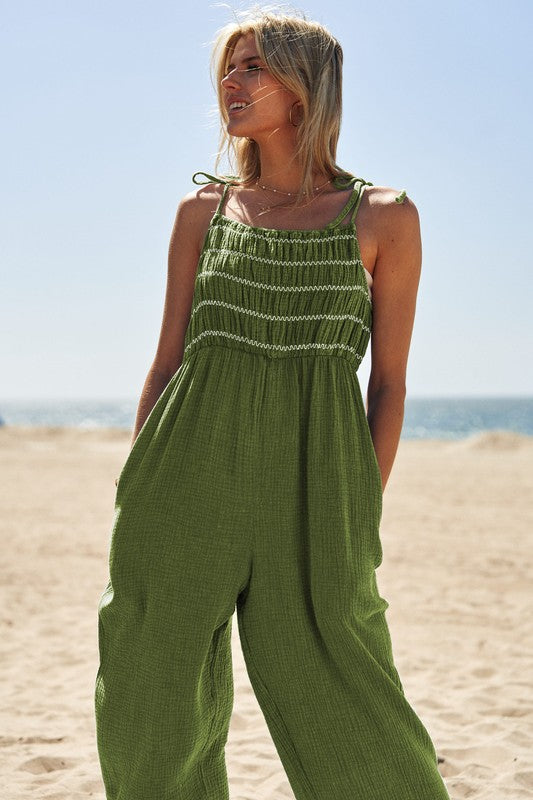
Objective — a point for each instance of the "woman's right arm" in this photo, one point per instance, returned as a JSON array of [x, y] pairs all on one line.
[[183, 254]]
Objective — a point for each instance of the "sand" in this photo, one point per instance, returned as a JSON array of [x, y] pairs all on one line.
[[457, 536]]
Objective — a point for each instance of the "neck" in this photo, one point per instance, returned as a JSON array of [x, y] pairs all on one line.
[[289, 176]]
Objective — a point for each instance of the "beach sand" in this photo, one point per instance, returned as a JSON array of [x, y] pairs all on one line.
[[457, 534]]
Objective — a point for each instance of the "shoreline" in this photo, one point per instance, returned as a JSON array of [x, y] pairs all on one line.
[[488, 435]]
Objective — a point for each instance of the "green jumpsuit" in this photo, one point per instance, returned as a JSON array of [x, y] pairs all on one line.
[[253, 484]]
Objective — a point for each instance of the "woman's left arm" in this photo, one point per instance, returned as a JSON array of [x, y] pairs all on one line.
[[394, 290]]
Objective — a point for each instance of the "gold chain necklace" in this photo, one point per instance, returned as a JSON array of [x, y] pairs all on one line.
[[289, 194], [287, 205]]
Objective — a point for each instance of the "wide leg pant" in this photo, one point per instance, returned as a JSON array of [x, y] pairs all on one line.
[[243, 504]]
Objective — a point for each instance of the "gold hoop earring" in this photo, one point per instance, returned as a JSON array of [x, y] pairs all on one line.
[[295, 124]]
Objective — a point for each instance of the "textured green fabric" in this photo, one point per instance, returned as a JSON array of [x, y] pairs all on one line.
[[253, 484]]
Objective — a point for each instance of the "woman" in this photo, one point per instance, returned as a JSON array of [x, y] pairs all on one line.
[[255, 477]]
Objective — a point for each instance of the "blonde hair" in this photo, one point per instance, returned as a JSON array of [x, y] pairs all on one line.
[[307, 60]]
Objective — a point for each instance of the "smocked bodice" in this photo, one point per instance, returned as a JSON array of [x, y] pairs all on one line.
[[281, 293]]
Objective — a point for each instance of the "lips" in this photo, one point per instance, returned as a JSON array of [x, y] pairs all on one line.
[[236, 100]]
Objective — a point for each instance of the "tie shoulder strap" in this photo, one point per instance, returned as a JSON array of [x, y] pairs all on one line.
[[214, 178], [356, 197], [227, 181], [355, 200], [359, 184], [345, 182]]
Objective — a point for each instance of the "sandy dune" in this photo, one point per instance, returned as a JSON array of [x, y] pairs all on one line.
[[457, 537]]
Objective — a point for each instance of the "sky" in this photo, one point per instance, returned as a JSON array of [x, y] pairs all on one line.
[[109, 109]]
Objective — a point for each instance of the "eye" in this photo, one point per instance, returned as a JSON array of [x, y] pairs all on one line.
[[253, 67]]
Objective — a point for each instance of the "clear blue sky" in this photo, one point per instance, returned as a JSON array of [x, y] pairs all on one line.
[[108, 111]]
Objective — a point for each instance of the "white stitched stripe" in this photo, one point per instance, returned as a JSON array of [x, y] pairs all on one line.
[[346, 287], [273, 346], [252, 232], [282, 318], [285, 262]]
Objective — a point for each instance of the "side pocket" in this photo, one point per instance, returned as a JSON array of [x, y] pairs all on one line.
[[374, 458], [105, 599], [377, 475], [132, 455], [148, 429], [125, 465], [370, 449], [373, 465]]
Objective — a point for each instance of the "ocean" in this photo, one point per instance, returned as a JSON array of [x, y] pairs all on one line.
[[425, 418]]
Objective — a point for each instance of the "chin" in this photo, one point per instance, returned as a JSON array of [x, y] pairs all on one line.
[[234, 126]]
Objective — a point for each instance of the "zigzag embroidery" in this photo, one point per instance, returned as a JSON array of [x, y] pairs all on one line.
[[349, 287], [273, 346], [284, 262], [282, 318]]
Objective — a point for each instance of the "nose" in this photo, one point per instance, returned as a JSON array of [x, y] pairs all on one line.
[[229, 80]]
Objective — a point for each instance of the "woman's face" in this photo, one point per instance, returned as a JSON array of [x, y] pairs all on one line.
[[267, 102]]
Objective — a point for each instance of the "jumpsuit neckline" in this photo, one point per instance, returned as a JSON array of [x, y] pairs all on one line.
[[353, 200]]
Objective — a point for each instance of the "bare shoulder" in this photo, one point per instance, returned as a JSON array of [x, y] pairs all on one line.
[[395, 225], [188, 233], [391, 216], [202, 199], [195, 210]]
